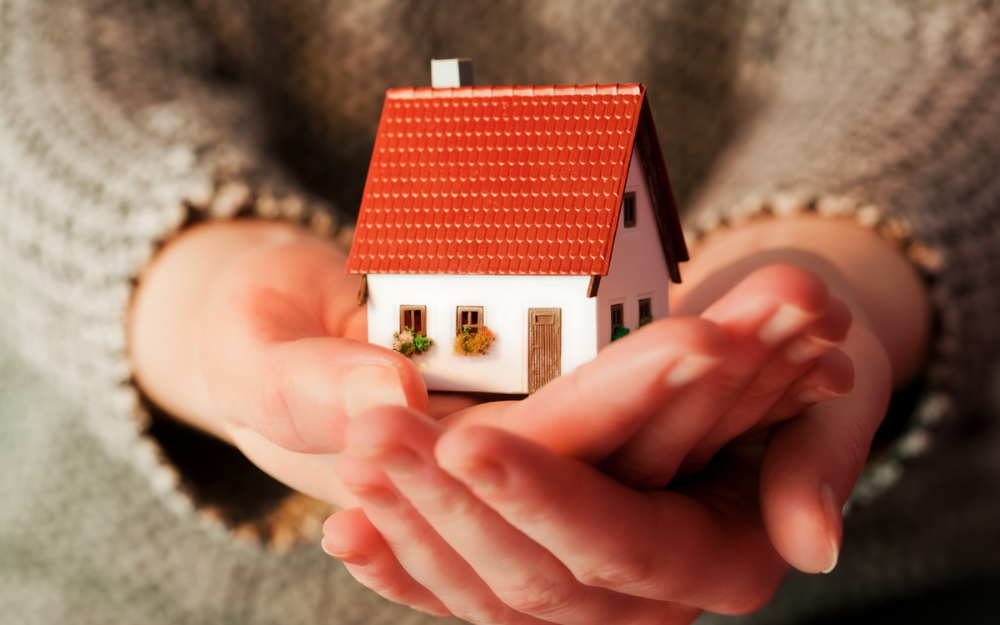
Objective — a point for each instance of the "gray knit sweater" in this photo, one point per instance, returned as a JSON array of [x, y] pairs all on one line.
[[121, 122]]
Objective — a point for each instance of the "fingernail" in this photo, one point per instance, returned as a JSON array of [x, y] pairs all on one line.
[[326, 547], [349, 558], [370, 386], [785, 322], [834, 520], [689, 368], [807, 348], [818, 394], [485, 476]]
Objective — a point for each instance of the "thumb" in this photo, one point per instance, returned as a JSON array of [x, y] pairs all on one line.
[[813, 461], [289, 404], [301, 394]]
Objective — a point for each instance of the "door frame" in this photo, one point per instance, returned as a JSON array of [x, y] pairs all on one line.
[[548, 367]]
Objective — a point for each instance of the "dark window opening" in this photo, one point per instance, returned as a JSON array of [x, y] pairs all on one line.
[[469, 317], [413, 317], [617, 316], [628, 209], [645, 311]]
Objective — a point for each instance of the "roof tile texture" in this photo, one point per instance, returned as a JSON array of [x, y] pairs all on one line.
[[496, 180]]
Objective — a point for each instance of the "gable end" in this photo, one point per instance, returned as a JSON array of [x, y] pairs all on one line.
[[664, 207]]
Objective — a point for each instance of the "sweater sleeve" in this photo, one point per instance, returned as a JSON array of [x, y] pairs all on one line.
[[890, 115], [117, 128]]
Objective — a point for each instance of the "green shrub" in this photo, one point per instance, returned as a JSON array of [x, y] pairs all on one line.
[[617, 334], [409, 343], [646, 319]]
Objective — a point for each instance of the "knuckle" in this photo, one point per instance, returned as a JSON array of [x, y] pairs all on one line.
[[853, 441], [755, 594], [390, 588], [440, 497], [729, 384], [271, 411], [398, 591], [483, 613], [621, 574], [747, 602], [538, 596]]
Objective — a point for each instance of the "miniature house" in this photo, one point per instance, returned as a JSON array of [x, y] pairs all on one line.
[[541, 213]]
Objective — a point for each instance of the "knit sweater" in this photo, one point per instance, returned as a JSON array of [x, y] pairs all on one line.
[[122, 122]]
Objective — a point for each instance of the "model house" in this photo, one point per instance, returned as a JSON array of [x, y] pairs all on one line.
[[520, 229]]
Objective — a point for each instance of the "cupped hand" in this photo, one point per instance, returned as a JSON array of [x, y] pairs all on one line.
[[494, 528], [483, 524], [251, 331]]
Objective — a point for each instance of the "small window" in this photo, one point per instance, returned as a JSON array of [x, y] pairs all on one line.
[[645, 311], [617, 317], [628, 210], [470, 317], [414, 317]]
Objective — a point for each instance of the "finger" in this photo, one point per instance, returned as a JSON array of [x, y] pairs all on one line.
[[302, 394], [831, 377], [822, 335], [785, 366], [351, 538], [760, 316], [420, 550], [586, 414], [813, 461], [445, 404], [661, 545], [311, 474], [520, 573], [293, 410]]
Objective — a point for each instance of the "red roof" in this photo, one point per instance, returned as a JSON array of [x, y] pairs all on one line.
[[505, 181]]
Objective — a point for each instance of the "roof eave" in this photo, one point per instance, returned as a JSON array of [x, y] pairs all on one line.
[[664, 206]]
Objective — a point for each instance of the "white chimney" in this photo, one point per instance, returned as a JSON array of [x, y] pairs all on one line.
[[451, 73]]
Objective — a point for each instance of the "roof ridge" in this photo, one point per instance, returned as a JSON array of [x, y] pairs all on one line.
[[421, 93]]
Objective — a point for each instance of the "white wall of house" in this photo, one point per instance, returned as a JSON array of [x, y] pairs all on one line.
[[505, 301], [638, 269]]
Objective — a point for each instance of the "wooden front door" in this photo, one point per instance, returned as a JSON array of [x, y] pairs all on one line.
[[544, 346]]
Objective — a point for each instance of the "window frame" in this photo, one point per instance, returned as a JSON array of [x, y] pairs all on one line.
[[629, 201], [412, 308], [648, 303], [473, 328], [620, 308]]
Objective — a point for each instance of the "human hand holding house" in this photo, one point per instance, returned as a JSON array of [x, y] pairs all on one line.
[[245, 329], [477, 522], [250, 331], [463, 519]]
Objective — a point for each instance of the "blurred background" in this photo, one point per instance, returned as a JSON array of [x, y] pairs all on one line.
[[105, 103]]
